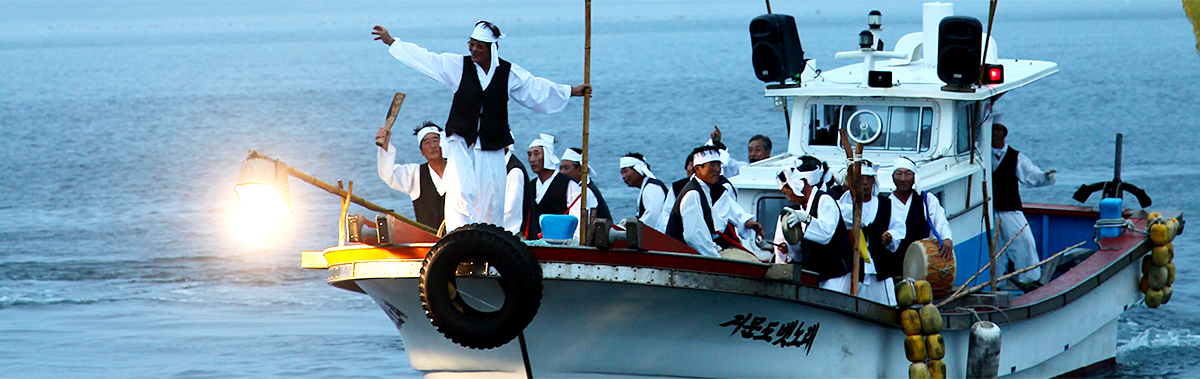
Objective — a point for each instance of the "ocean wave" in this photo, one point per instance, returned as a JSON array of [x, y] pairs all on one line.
[[1153, 338], [7, 302]]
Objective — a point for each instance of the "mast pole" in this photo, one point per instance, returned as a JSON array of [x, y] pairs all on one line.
[[584, 223]]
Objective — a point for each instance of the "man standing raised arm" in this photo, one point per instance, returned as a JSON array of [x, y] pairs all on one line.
[[477, 129]]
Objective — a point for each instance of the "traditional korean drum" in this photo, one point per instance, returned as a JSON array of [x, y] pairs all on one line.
[[923, 262]]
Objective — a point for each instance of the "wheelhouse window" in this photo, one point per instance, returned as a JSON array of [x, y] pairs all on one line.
[[904, 127], [966, 128], [767, 212]]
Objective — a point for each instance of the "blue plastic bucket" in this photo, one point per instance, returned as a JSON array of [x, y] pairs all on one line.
[[558, 227], [1110, 209]]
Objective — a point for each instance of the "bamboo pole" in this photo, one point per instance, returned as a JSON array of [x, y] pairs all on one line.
[[852, 177], [1006, 276], [987, 223], [986, 266], [340, 193], [584, 225]]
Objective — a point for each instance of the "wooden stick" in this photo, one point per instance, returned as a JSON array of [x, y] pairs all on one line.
[[985, 267], [987, 222], [587, 96], [382, 140], [1006, 276], [852, 177], [345, 206]]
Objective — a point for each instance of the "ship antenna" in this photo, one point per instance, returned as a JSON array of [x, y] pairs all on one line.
[[986, 41]]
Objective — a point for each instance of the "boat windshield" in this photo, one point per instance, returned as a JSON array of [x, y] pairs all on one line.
[[904, 127]]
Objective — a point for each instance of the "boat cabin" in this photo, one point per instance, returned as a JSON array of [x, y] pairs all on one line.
[[897, 104]]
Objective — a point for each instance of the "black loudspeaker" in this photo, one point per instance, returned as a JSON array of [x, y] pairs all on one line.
[[776, 47], [959, 41], [879, 79]]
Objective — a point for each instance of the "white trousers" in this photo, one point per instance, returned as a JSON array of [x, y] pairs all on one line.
[[475, 181], [1023, 249], [879, 291], [840, 284]]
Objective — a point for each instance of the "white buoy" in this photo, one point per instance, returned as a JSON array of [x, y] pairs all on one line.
[[983, 351]]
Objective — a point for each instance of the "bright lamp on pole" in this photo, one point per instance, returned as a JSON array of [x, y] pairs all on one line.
[[263, 186]]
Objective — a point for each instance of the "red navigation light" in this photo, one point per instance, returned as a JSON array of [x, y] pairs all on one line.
[[993, 74]]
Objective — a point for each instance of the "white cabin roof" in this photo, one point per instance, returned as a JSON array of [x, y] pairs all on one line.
[[916, 79]]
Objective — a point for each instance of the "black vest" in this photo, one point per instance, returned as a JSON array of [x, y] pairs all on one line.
[[1005, 194], [659, 183], [677, 186], [916, 226], [601, 205], [430, 208], [675, 222], [719, 188], [832, 259], [481, 113], [554, 202], [515, 164], [887, 263]]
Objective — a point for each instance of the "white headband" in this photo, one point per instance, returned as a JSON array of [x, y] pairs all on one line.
[[705, 157], [482, 33], [428, 130], [637, 165], [799, 178], [546, 141], [571, 155], [907, 164], [867, 170]]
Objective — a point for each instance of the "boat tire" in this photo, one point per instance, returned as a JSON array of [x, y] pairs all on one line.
[[520, 280]]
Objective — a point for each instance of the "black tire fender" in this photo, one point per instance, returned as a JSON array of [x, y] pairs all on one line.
[[520, 279]]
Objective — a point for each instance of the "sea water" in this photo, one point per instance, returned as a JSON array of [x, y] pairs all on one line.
[[122, 127]]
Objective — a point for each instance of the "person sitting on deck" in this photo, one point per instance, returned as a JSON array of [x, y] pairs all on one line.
[[922, 218], [733, 221], [546, 193], [876, 281], [423, 182], [673, 191], [571, 166], [652, 193], [691, 220], [825, 246]]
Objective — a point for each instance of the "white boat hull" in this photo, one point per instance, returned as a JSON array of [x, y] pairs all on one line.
[[590, 327]]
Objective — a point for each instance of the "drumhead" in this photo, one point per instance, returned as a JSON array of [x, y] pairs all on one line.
[[916, 263], [739, 255]]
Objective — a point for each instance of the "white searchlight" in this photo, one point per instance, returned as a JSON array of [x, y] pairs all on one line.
[[263, 186]]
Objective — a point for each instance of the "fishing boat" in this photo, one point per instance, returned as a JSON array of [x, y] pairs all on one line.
[[479, 302]]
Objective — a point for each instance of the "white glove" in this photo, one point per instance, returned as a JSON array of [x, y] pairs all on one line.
[[795, 217], [1050, 175]]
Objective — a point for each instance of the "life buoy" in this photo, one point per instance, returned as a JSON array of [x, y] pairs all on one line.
[[520, 279]]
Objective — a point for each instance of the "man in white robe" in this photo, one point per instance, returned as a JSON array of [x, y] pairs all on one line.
[[550, 191], [873, 286], [908, 192], [1010, 167], [411, 178], [514, 193], [652, 193], [477, 129], [825, 246], [692, 217]]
